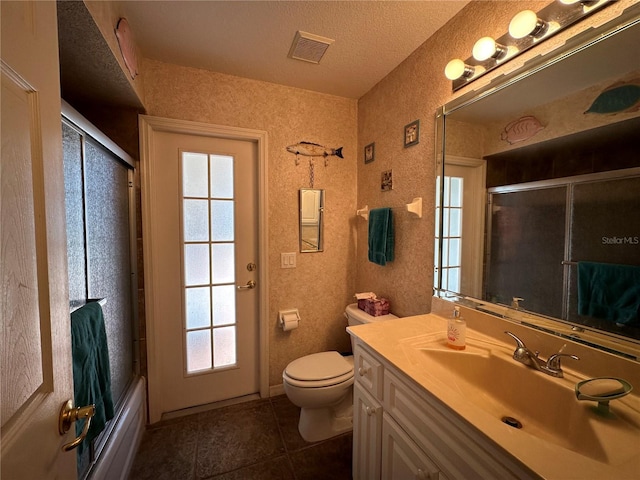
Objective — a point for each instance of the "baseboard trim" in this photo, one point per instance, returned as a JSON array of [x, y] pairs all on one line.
[[275, 390]]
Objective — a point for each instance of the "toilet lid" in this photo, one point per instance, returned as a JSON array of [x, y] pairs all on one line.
[[319, 366]]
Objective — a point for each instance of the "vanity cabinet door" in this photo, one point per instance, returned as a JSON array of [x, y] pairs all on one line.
[[367, 435], [368, 371], [402, 459]]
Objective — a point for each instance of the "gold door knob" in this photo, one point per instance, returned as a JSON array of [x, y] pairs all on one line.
[[250, 284], [70, 414]]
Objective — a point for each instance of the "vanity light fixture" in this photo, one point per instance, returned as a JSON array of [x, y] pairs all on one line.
[[526, 29], [487, 48], [456, 68], [526, 23]]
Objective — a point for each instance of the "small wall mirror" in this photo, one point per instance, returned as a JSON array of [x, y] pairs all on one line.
[[311, 210]]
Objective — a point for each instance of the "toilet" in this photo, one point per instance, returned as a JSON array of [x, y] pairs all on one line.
[[321, 384]]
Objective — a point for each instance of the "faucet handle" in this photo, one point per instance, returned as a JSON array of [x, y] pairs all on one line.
[[521, 353], [519, 342], [515, 302], [553, 363]]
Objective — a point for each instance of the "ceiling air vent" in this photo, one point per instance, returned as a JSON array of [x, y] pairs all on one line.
[[309, 47]]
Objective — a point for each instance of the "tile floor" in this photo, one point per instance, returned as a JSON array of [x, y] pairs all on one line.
[[257, 440]]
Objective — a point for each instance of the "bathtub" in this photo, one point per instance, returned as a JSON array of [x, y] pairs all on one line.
[[115, 459]]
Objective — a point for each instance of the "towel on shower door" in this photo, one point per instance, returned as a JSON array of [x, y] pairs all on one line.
[[381, 241], [609, 292], [91, 373]]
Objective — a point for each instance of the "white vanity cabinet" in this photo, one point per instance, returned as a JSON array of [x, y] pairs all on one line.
[[402, 432], [402, 458], [367, 416], [367, 427]]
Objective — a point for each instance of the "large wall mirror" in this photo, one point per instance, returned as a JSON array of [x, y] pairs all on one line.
[[540, 180], [311, 212]]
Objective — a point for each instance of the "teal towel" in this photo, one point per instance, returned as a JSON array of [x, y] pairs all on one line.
[[381, 241], [609, 292], [91, 374]]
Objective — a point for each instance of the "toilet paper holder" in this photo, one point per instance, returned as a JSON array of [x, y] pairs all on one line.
[[286, 317]]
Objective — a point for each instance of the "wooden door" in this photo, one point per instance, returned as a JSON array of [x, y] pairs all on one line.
[[34, 323]]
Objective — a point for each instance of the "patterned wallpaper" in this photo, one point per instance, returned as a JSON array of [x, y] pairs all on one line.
[[323, 283]]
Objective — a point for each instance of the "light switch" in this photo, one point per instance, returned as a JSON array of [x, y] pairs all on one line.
[[288, 260]]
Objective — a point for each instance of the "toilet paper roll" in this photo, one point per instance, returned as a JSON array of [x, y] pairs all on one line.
[[289, 321]]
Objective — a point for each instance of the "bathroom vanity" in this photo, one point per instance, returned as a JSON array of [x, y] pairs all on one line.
[[424, 411], [400, 430]]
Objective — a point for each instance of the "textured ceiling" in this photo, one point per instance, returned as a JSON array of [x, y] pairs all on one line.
[[252, 38]]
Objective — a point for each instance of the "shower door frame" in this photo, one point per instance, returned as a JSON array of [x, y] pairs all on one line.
[[80, 124], [569, 183]]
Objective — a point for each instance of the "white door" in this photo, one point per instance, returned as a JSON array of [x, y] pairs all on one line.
[[204, 292], [463, 221], [34, 324]]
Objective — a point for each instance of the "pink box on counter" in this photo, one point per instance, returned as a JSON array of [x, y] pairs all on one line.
[[374, 307]]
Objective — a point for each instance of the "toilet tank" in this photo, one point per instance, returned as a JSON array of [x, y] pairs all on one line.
[[355, 316]]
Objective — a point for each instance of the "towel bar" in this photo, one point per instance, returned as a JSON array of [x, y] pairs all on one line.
[[363, 212], [78, 304], [415, 208]]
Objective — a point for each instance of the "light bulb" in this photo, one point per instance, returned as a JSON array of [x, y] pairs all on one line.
[[456, 69], [527, 23], [487, 48]]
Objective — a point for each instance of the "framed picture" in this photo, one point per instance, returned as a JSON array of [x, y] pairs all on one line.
[[412, 133], [386, 181], [370, 153]]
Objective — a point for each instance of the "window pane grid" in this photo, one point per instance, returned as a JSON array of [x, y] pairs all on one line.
[[451, 232], [208, 261]]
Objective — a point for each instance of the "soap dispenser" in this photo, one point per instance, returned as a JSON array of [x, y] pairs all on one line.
[[456, 330]]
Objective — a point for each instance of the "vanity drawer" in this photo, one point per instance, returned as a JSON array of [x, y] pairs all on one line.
[[452, 444], [368, 371]]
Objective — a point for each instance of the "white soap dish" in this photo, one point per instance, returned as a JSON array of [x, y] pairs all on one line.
[[602, 390]]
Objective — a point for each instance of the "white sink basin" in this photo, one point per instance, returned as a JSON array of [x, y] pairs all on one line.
[[486, 375]]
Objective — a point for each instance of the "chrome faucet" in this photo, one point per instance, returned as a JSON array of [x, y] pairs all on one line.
[[551, 367]]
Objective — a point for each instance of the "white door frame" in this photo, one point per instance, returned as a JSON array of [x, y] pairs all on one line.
[[477, 190], [150, 125]]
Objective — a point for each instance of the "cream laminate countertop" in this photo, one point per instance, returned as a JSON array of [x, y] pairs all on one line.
[[393, 340]]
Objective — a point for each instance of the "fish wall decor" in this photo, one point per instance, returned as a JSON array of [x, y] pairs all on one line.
[[521, 129], [309, 149], [618, 98]]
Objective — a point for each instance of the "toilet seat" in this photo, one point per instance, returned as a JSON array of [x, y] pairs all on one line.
[[319, 370]]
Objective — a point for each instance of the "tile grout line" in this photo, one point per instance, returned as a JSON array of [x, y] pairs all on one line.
[[284, 443], [195, 453]]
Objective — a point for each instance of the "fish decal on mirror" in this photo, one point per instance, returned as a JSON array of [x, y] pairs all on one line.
[[522, 129], [618, 98], [309, 149]]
